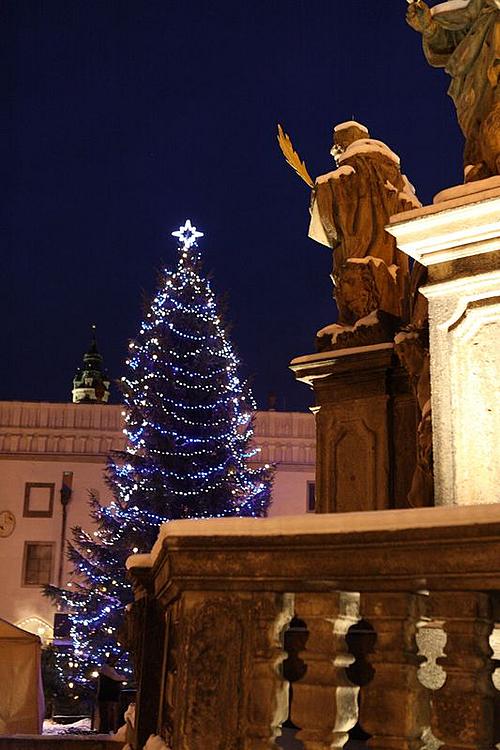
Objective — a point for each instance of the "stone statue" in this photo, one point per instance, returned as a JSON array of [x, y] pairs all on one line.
[[411, 345], [350, 208], [464, 38]]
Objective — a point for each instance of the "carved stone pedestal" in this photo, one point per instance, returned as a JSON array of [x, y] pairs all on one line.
[[365, 428], [458, 239]]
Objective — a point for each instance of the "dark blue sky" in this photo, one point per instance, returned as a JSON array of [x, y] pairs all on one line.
[[124, 117]]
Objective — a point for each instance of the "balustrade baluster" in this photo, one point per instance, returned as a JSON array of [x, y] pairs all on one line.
[[394, 705], [462, 710], [268, 691], [325, 701]]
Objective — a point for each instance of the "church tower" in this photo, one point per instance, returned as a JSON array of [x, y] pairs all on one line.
[[91, 382]]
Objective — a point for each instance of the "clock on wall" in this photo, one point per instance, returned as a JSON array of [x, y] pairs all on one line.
[[7, 523]]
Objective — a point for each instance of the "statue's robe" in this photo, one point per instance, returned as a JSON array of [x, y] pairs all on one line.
[[466, 42], [352, 205]]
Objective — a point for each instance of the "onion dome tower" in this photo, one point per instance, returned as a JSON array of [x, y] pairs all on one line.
[[91, 382]]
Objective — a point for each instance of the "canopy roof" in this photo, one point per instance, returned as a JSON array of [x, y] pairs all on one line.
[[12, 632]]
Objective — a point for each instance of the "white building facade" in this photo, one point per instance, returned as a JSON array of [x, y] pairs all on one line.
[[52, 455]]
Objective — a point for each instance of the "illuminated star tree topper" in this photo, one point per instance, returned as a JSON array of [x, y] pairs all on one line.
[[188, 235]]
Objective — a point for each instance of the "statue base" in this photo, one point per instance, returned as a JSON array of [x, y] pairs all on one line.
[[458, 240], [365, 428]]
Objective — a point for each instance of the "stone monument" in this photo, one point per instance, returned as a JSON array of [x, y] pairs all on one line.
[[457, 240], [411, 344], [366, 414]]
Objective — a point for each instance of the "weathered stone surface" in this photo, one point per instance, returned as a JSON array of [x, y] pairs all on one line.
[[458, 240], [462, 710], [228, 692], [363, 405], [412, 348], [325, 701], [446, 548], [394, 704], [234, 584], [349, 210]]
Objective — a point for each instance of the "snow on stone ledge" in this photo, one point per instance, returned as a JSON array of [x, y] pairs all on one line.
[[405, 336], [139, 561], [334, 329], [318, 357], [324, 523]]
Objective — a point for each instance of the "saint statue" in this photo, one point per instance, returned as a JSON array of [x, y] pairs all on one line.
[[350, 208], [463, 37]]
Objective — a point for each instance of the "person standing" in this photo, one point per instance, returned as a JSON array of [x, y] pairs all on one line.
[[109, 687]]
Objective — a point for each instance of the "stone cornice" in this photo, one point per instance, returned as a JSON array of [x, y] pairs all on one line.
[[88, 432], [453, 548]]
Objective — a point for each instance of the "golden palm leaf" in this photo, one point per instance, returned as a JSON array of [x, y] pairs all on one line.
[[292, 156]]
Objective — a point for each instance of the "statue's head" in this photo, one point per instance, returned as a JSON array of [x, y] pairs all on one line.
[[410, 349], [346, 133], [356, 291]]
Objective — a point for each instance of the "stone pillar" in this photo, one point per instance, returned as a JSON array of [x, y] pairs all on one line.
[[151, 620], [365, 428], [394, 706], [458, 239], [462, 710], [324, 703], [229, 690]]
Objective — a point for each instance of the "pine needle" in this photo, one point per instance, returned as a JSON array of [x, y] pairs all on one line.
[[292, 156]]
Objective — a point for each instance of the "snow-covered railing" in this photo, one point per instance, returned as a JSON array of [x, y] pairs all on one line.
[[374, 596]]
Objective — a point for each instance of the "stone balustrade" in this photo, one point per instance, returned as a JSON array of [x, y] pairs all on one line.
[[214, 600]]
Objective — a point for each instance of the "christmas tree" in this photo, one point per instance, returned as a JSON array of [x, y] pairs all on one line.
[[188, 427]]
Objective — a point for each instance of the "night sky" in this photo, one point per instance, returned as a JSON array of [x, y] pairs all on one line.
[[124, 117]]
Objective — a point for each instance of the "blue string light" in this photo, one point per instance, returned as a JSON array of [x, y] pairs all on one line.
[[188, 426]]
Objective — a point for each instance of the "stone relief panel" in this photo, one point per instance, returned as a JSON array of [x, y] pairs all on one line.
[[475, 397], [226, 672], [211, 694], [353, 466]]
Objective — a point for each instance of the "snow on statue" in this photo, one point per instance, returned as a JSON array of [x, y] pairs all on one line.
[[463, 37]]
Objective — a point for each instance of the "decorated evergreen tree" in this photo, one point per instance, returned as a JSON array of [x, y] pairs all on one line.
[[188, 430]]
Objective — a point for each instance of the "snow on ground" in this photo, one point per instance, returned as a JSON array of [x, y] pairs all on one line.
[[78, 727]]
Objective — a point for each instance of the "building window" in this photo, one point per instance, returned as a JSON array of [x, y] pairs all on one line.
[[38, 561], [311, 497], [38, 500]]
